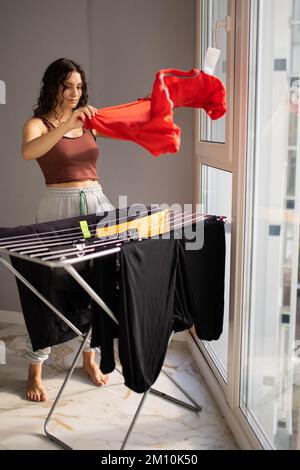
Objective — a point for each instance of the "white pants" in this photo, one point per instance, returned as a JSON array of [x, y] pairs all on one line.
[[62, 203], [58, 204]]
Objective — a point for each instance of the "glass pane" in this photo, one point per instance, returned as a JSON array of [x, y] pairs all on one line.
[[212, 11], [216, 183], [295, 19], [270, 389]]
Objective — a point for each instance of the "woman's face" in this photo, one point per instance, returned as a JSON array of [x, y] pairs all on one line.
[[68, 98]]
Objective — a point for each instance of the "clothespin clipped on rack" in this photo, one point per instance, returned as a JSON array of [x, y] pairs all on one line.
[[85, 229]]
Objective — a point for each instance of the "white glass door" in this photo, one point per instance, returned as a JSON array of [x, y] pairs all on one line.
[[270, 386]]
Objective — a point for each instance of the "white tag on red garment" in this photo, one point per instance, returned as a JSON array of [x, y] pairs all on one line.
[[211, 59]]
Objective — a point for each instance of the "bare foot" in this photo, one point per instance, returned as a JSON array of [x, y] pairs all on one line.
[[91, 367], [35, 390]]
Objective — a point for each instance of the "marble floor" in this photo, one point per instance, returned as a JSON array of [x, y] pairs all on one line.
[[89, 417]]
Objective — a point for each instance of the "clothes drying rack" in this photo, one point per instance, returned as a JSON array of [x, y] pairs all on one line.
[[64, 249]]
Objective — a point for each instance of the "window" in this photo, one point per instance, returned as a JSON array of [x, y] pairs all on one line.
[[215, 184], [213, 11], [213, 150]]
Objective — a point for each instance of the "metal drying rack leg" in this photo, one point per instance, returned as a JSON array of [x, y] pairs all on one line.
[[197, 408], [66, 380]]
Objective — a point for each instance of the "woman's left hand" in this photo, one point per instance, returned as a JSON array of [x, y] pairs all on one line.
[[89, 110]]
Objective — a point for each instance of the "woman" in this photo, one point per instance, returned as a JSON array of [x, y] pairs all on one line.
[[67, 156]]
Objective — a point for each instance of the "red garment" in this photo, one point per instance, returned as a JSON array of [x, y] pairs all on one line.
[[150, 122]]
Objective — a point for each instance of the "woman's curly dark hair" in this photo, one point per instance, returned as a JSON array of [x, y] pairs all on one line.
[[55, 75]]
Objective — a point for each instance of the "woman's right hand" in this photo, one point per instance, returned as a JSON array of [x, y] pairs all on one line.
[[78, 117]]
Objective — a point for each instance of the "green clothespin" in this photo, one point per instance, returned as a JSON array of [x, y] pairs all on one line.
[[85, 229]]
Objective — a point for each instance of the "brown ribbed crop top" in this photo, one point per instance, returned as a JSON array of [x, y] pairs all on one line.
[[70, 159]]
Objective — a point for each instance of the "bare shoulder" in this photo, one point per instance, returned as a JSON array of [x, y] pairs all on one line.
[[34, 127], [34, 123]]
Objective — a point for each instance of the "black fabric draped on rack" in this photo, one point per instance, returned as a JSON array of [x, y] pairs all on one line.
[[162, 287], [153, 286]]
